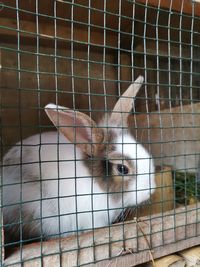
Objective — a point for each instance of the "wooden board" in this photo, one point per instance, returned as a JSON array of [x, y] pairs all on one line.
[[168, 261], [62, 8], [172, 135], [157, 236], [73, 84], [47, 34], [79, 21], [184, 6], [187, 258], [77, 11], [91, 21], [191, 256]]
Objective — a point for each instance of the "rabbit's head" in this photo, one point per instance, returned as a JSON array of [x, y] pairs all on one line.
[[120, 166]]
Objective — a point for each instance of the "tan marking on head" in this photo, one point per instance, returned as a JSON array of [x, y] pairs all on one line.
[[121, 182], [103, 167]]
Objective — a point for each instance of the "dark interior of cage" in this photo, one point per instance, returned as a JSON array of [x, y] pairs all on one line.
[[88, 60]]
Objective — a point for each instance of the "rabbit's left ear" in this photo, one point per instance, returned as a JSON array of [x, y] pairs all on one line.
[[77, 127], [125, 103]]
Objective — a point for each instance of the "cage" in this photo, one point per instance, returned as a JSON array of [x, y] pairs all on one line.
[[83, 55]]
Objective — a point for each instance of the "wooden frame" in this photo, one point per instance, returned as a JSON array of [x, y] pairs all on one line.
[[186, 7], [147, 237], [47, 34]]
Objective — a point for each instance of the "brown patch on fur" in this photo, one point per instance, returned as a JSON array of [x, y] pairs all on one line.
[[103, 166]]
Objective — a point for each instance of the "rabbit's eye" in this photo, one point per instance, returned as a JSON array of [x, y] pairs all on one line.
[[122, 169]]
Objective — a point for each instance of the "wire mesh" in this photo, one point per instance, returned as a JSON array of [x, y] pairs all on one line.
[[83, 56]]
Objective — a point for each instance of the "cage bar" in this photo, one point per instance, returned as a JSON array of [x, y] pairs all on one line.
[[84, 55]]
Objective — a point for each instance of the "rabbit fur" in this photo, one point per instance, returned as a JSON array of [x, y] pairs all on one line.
[[74, 179]]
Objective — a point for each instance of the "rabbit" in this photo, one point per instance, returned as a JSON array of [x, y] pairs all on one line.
[[78, 178]]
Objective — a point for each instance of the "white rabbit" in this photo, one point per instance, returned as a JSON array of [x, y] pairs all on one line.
[[80, 177]]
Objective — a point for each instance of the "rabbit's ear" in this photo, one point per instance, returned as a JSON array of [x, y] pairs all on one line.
[[125, 103], [76, 126]]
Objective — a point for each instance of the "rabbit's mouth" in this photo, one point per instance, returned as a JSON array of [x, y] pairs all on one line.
[[124, 215], [131, 212]]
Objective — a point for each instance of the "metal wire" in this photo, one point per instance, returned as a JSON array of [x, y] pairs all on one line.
[[84, 59]]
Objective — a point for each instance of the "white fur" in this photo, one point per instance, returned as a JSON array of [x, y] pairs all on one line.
[[51, 158], [49, 187], [143, 184]]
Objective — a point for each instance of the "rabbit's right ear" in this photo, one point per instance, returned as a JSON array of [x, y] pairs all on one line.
[[76, 126], [125, 103]]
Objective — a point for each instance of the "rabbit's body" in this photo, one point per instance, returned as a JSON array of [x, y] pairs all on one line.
[[56, 160], [57, 184], [67, 203]]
